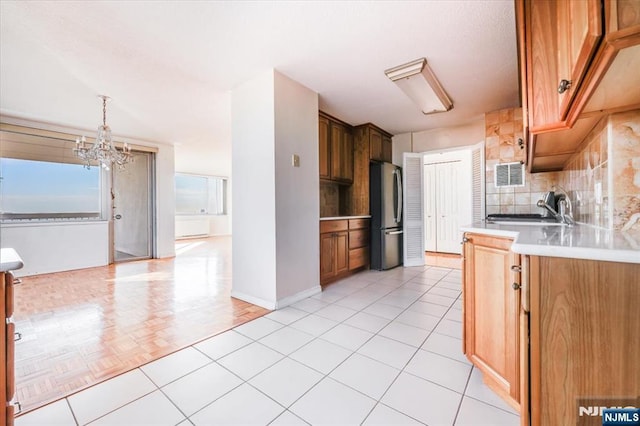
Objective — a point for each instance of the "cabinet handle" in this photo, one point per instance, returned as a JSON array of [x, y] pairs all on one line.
[[17, 281], [18, 406], [516, 268], [564, 86], [515, 286], [17, 336], [464, 240]]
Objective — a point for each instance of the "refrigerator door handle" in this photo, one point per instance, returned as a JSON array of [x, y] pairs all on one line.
[[399, 186], [393, 232]]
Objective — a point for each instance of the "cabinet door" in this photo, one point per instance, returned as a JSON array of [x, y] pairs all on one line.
[[327, 258], [375, 144], [323, 142], [336, 143], [579, 28], [346, 155], [341, 252], [387, 151], [491, 313]]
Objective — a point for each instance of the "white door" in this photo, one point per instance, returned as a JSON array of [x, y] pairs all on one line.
[[413, 205], [430, 205], [449, 186]]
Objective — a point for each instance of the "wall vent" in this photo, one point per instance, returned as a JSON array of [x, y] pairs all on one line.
[[509, 174]]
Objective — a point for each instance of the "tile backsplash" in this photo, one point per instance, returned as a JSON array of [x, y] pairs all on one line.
[[602, 177], [604, 174], [503, 132]]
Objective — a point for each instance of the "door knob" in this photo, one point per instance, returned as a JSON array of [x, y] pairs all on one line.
[[515, 286], [118, 216], [564, 86]]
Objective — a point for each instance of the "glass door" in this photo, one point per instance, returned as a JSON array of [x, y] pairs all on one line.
[[132, 198]]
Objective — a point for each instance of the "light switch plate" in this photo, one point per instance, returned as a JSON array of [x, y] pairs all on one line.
[[295, 160]]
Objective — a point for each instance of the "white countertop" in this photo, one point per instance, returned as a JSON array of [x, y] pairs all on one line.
[[9, 260], [345, 217], [577, 242]]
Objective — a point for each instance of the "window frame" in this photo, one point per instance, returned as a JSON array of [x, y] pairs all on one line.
[[211, 182], [96, 216]]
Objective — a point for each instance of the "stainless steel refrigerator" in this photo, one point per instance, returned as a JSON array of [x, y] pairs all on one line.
[[385, 207]]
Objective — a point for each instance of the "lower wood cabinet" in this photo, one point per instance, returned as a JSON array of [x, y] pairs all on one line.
[[334, 249], [344, 248], [584, 338], [7, 337], [551, 334], [491, 291]]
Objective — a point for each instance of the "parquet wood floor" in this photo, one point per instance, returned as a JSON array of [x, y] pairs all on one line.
[[82, 327]]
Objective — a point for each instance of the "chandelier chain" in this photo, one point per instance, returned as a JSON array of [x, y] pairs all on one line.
[[104, 110]]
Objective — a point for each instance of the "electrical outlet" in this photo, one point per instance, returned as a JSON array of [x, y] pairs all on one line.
[[295, 160]]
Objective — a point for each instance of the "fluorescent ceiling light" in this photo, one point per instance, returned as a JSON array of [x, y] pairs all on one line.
[[421, 85]]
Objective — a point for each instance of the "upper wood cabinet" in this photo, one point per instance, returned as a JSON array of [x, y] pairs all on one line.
[[491, 290], [379, 141], [323, 142], [561, 38], [335, 150], [578, 62]]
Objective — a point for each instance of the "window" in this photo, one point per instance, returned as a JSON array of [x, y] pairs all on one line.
[[48, 190], [206, 195]]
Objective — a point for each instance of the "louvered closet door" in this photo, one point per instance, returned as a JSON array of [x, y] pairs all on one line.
[[413, 241], [430, 212]]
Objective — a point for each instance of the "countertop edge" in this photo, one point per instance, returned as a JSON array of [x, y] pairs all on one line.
[[605, 254], [9, 260], [345, 217]]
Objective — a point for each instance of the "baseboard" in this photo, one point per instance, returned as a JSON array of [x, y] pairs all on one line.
[[290, 300], [278, 304], [267, 304]]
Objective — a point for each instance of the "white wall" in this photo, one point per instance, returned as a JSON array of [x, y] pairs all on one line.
[[253, 175], [165, 202], [297, 189], [443, 138], [54, 247], [50, 248], [275, 206]]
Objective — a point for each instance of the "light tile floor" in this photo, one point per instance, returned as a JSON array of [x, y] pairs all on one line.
[[378, 348]]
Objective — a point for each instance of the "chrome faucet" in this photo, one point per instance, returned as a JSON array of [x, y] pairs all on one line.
[[561, 215]]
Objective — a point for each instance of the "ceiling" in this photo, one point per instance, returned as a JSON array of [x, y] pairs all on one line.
[[171, 66]]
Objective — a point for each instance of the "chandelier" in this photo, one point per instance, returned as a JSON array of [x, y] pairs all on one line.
[[102, 151]]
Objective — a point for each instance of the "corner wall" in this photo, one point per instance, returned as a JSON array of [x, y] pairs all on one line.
[[275, 236]]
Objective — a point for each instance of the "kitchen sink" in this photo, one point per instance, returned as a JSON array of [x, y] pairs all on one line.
[[522, 219]]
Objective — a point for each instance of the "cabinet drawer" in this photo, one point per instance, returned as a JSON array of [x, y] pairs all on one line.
[[359, 238], [333, 226], [358, 257], [358, 223]]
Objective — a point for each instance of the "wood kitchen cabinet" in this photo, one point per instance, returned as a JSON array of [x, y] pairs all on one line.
[[579, 62], [334, 249], [491, 290], [335, 144], [323, 143], [344, 247], [7, 336], [550, 334], [561, 38], [358, 243], [584, 343], [380, 144]]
